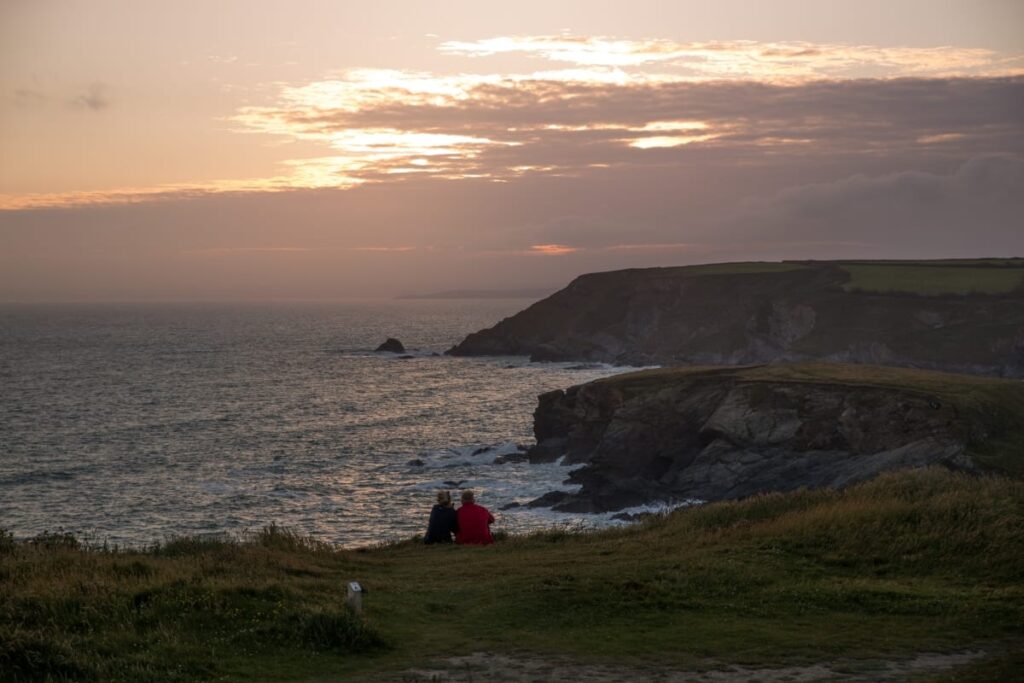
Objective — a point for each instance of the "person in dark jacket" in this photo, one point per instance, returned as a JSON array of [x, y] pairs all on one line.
[[444, 521]]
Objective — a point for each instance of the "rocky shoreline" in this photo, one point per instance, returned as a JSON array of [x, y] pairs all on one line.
[[728, 433]]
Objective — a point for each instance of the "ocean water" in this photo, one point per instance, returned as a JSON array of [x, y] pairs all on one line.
[[135, 423]]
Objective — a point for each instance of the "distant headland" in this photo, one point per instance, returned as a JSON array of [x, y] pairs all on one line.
[[963, 315]]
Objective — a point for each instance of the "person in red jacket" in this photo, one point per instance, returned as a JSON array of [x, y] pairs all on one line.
[[474, 522]]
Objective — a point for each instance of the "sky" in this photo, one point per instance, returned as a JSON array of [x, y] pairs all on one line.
[[326, 150]]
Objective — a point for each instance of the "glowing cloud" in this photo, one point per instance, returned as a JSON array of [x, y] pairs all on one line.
[[614, 100], [552, 249], [748, 59]]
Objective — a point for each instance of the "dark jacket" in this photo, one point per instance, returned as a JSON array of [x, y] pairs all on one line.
[[444, 522]]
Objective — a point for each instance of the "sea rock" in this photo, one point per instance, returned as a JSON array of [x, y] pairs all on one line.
[[415, 462], [726, 433], [549, 499], [392, 345]]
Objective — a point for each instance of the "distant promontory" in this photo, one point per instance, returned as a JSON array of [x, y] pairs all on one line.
[[955, 315]]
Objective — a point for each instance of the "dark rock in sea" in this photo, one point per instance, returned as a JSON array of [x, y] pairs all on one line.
[[549, 499], [727, 433], [392, 345], [735, 314], [454, 483], [550, 450], [435, 354], [510, 506], [415, 462], [522, 447], [484, 449]]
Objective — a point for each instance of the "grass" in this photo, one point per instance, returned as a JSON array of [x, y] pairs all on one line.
[[932, 280], [741, 267], [911, 561]]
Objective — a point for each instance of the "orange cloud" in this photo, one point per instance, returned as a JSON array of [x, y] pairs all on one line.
[[552, 249]]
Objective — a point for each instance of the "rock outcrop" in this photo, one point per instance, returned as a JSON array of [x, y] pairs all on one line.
[[391, 345], [761, 313], [725, 433]]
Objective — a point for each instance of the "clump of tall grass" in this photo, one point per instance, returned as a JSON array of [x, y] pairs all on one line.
[[71, 611]]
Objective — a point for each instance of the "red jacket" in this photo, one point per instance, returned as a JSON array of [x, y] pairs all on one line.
[[474, 525]]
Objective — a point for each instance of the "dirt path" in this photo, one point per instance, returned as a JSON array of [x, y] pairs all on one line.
[[481, 667]]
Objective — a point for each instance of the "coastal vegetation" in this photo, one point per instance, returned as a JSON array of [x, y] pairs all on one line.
[[912, 561]]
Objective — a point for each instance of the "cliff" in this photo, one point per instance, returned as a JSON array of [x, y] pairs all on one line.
[[727, 433], [959, 316]]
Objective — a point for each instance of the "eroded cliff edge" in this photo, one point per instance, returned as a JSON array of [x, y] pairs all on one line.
[[725, 433], [771, 312]]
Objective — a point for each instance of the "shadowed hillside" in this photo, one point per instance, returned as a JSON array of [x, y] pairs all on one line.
[[961, 316]]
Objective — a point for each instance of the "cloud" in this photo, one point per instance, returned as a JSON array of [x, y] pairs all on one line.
[[28, 97], [507, 128], [976, 208], [747, 59], [95, 97], [622, 104], [552, 249]]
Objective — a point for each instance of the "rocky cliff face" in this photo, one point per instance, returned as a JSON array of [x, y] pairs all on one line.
[[694, 316], [726, 433]]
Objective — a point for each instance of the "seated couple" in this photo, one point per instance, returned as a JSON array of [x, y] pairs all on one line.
[[470, 524]]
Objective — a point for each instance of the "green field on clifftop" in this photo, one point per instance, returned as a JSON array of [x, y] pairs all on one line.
[[910, 562]]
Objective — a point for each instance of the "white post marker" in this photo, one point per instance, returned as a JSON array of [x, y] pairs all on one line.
[[355, 597]]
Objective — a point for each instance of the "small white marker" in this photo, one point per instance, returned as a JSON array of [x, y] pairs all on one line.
[[355, 597]]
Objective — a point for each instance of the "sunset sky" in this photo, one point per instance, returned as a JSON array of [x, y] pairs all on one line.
[[320, 150]]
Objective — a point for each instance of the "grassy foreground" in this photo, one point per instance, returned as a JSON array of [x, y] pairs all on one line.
[[911, 561]]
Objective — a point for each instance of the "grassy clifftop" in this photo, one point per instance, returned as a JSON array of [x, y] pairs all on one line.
[[911, 561]]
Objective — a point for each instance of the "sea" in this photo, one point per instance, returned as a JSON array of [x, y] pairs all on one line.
[[131, 424]]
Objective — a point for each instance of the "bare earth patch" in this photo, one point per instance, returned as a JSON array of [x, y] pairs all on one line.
[[482, 667]]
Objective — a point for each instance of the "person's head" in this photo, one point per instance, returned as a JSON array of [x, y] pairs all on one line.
[[467, 496], [444, 498]]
